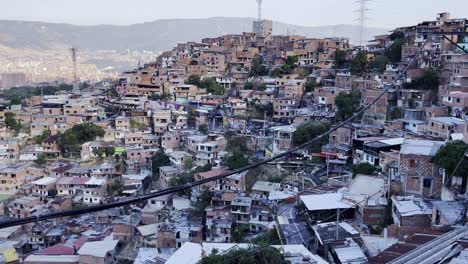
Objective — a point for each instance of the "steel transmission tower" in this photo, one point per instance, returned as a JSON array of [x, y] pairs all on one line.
[[362, 18], [74, 52], [259, 7]]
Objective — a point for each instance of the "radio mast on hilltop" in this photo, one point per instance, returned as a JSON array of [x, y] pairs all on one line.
[[74, 52]]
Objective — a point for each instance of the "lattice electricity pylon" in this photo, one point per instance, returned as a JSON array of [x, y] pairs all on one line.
[[74, 51], [362, 17], [259, 9]]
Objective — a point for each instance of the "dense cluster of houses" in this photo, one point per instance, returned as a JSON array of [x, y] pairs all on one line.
[[168, 119]]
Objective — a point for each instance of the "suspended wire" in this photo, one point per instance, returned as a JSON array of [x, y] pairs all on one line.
[[97, 208]]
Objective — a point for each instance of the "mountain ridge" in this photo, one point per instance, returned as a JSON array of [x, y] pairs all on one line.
[[158, 35]]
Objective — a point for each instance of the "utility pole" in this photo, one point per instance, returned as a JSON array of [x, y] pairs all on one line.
[[328, 157], [337, 223]]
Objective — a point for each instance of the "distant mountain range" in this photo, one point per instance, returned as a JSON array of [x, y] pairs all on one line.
[[158, 35]]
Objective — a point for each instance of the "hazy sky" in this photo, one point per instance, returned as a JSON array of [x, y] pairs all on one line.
[[383, 13]]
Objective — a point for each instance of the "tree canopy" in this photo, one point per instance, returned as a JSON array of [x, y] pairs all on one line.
[[449, 156], [19, 93], [256, 255], [393, 53], [71, 140], [12, 123], [255, 86], [288, 67], [347, 104], [212, 86], [340, 58], [236, 160], [308, 131], [209, 84], [429, 80], [158, 160], [45, 134], [379, 64], [258, 68], [203, 128], [360, 63], [363, 168], [194, 80], [310, 86], [238, 143]]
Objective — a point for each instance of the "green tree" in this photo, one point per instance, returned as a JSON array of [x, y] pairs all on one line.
[[236, 160], [258, 68], [109, 151], [212, 86], [98, 152], [71, 140], [397, 35], [302, 72], [394, 51], [204, 200], [204, 168], [287, 68], [203, 128], [41, 160], [340, 58], [292, 60], [191, 117], [159, 159], [266, 238], [449, 156], [10, 120], [255, 86], [162, 97], [310, 86], [347, 104], [194, 80], [379, 63], [45, 134], [255, 255], [248, 86], [182, 179], [20, 93], [395, 113], [308, 131], [430, 80], [239, 232], [360, 63], [115, 187], [363, 168], [15, 101], [188, 163], [260, 110], [238, 144]]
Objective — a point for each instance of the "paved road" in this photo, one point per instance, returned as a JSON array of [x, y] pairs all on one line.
[[295, 232]]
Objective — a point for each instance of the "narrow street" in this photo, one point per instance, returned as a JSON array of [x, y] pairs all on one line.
[[295, 232]]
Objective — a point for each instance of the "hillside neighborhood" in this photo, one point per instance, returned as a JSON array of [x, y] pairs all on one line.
[[356, 154]]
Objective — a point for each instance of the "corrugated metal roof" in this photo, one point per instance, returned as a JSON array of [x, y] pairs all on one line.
[[420, 147]]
